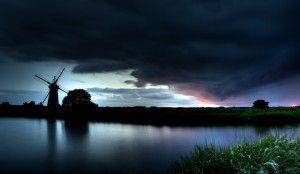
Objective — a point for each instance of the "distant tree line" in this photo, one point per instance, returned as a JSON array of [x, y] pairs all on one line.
[[5, 104], [80, 98]]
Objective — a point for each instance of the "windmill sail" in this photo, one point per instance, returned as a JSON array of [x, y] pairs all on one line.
[[53, 90]]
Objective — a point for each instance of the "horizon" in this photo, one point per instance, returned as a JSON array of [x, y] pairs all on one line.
[[149, 107]]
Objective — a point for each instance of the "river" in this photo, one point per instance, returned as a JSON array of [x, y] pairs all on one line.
[[39, 145]]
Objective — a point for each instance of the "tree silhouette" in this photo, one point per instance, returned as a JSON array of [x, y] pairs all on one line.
[[78, 98], [30, 104], [260, 104], [5, 104]]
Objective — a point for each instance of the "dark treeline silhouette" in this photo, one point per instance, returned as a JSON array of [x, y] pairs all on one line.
[[5, 104], [159, 116], [77, 106]]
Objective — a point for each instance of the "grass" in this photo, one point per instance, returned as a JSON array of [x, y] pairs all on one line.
[[273, 154], [275, 116]]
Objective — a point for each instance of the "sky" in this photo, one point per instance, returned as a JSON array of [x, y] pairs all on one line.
[[168, 53]]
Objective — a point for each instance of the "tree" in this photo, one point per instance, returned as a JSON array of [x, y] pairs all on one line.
[[260, 104], [78, 98], [5, 104], [30, 104]]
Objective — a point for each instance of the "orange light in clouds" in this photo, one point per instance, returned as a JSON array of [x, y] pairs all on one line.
[[206, 102], [203, 102]]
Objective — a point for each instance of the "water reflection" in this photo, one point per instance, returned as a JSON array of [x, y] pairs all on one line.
[[69, 154], [76, 131], [51, 131], [56, 146], [51, 152], [75, 158]]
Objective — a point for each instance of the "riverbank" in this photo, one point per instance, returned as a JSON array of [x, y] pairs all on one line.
[[272, 154], [277, 116]]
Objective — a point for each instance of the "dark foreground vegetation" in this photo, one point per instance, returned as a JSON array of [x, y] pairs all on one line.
[[272, 154], [160, 116]]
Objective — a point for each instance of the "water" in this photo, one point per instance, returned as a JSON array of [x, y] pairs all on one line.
[[39, 146]]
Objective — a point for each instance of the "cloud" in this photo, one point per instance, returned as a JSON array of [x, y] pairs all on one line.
[[140, 97], [140, 94], [209, 49]]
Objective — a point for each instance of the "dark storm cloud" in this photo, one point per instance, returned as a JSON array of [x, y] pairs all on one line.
[[209, 48]]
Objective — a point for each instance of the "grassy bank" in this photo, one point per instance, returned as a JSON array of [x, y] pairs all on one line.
[[278, 116], [272, 154]]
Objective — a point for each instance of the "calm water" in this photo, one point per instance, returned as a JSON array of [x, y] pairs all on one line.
[[67, 147]]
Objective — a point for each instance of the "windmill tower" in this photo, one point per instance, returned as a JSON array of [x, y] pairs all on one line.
[[53, 90]]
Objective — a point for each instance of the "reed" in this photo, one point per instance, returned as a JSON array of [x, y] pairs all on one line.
[[272, 154]]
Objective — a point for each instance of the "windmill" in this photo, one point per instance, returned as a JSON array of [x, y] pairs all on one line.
[[53, 90]]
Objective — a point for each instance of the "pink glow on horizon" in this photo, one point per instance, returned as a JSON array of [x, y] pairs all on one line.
[[293, 104], [203, 101]]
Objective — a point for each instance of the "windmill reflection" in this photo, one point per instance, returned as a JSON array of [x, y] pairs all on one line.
[[51, 130], [66, 145], [76, 131], [76, 158], [52, 145]]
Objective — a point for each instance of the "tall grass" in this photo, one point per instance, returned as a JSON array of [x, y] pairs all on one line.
[[273, 154]]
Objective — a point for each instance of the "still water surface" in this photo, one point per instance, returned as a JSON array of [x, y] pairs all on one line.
[[38, 145]]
